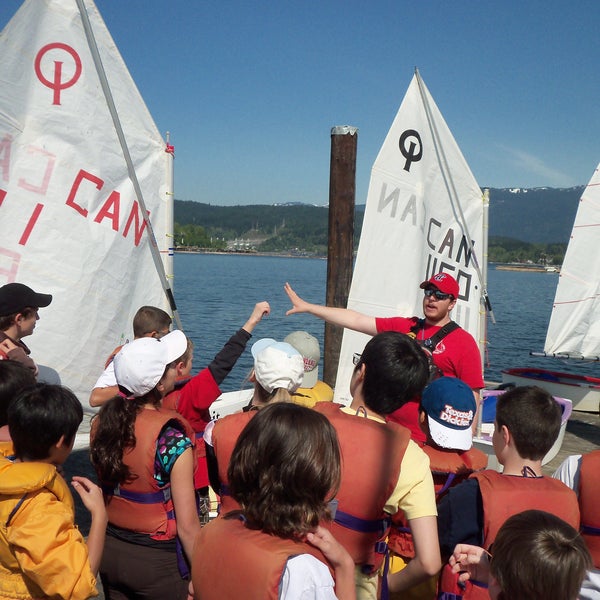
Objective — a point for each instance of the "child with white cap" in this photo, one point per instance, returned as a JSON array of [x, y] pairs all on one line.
[[313, 390], [144, 457], [278, 371]]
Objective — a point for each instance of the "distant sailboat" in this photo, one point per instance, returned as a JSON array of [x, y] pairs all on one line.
[[574, 328], [81, 161]]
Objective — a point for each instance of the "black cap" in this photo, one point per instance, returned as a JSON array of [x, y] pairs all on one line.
[[14, 297]]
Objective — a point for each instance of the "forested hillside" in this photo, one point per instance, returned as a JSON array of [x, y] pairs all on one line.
[[532, 224]]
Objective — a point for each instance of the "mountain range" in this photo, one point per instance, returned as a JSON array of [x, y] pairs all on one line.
[[534, 215]]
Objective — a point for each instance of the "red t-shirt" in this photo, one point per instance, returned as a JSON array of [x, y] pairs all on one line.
[[456, 355]]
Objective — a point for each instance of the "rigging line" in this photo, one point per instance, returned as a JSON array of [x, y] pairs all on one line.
[[89, 34], [450, 187]]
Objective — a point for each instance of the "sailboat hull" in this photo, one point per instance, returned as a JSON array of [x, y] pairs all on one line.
[[583, 391]]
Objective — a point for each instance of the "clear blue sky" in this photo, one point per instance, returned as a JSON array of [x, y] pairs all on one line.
[[250, 90]]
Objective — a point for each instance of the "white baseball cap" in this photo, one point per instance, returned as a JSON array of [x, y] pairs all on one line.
[[308, 346], [277, 365], [141, 363]]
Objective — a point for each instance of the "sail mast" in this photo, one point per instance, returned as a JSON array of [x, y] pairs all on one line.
[[455, 201], [126, 154]]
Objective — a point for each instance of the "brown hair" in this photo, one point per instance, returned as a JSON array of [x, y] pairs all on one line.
[[148, 319], [284, 469], [277, 395], [532, 417], [537, 556], [113, 432], [8, 321]]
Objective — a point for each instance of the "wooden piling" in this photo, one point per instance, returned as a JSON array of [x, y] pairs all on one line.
[[342, 192]]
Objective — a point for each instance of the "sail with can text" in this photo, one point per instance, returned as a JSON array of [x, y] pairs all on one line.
[[81, 161], [424, 215]]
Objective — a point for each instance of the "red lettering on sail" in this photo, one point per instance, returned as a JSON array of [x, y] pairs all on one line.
[[75, 188], [5, 146], [113, 202], [2, 196], [42, 187], [30, 224], [10, 272], [134, 215]]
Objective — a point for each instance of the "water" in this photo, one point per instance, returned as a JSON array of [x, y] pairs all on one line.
[[216, 293]]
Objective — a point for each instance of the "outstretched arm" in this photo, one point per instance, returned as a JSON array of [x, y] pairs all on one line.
[[262, 309], [225, 360], [343, 317]]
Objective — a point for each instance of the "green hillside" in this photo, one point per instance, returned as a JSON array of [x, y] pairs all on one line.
[[524, 225]]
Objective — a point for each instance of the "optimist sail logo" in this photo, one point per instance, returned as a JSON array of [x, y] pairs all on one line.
[[55, 82]]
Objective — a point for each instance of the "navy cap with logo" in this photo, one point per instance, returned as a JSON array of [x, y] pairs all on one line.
[[14, 297], [450, 407]]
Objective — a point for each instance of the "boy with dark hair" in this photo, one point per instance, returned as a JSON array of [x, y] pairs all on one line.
[[526, 426], [42, 553], [19, 306], [151, 321], [383, 470], [536, 556], [14, 377]]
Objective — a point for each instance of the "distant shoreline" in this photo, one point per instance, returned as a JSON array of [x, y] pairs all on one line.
[[254, 253]]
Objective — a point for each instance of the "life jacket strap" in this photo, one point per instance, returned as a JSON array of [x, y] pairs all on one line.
[[159, 497]]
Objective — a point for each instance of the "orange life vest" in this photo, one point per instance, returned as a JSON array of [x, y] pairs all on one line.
[[224, 436], [372, 454], [504, 496], [232, 561], [141, 505], [448, 468], [589, 492]]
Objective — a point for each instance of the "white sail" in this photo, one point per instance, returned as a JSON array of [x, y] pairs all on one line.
[[574, 327], [423, 210], [70, 221]]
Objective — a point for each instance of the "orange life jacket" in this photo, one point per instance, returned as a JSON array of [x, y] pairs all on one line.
[[504, 496], [589, 492], [448, 468], [232, 561], [141, 505], [372, 454], [224, 436]]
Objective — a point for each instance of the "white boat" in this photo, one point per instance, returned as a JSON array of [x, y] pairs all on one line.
[[574, 328], [484, 440], [81, 166]]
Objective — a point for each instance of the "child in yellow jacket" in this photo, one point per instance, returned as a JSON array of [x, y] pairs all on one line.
[[42, 553]]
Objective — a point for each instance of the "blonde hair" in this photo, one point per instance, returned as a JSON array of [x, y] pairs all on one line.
[[277, 395]]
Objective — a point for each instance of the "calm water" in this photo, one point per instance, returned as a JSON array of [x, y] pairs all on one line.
[[216, 293]]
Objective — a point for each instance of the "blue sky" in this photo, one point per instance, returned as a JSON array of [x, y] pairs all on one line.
[[250, 90]]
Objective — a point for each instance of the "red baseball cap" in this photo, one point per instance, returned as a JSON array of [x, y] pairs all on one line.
[[443, 282]]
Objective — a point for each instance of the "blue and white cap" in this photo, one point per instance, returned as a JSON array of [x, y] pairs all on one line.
[[450, 407], [277, 365]]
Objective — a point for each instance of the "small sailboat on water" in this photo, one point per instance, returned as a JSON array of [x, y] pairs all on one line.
[[574, 330]]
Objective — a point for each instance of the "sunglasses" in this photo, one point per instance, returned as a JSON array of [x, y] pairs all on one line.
[[437, 294]]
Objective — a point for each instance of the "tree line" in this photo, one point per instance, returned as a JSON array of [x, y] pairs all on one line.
[[304, 228]]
